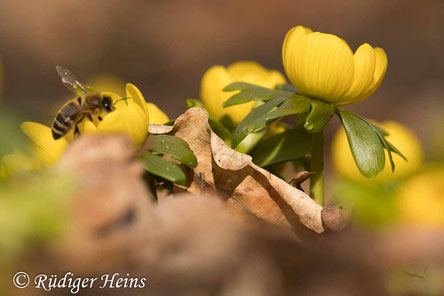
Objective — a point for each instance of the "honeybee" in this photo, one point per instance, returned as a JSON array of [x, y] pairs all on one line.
[[88, 103]]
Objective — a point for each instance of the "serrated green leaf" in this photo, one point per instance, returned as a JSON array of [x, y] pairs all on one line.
[[254, 95], [320, 114], [243, 86], [295, 105], [194, 103], [386, 144], [289, 145], [174, 147], [161, 167], [380, 130], [365, 144], [255, 120]]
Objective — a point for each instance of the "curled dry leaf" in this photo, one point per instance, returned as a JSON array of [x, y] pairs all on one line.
[[246, 188]]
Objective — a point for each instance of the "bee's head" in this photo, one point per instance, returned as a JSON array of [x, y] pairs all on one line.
[[107, 104]]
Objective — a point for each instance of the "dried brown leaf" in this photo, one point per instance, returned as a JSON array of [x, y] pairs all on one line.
[[242, 184]]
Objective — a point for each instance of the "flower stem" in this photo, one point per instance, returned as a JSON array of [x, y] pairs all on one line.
[[317, 167]]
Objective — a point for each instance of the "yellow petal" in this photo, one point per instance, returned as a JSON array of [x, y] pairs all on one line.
[[218, 77], [323, 66], [213, 81], [87, 127], [18, 161], [133, 92], [157, 116], [381, 62], [239, 71], [130, 121], [292, 46], [274, 78], [48, 150], [364, 63]]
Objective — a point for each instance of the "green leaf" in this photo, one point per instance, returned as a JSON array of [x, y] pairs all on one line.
[[295, 105], [161, 167], [227, 122], [174, 147], [243, 86], [194, 103], [320, 114], [286, 87], [219, 129], [254, 95], [255, 120], [365, 144], [289, 145], [387, 145]]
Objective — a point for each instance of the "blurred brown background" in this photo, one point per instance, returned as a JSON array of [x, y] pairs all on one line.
[[164, 47]]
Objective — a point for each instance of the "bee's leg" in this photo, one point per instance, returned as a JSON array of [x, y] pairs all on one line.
[[89, 116], [76, 128], [76, 131]]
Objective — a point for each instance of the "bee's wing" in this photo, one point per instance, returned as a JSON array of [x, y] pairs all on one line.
[[72, 83]]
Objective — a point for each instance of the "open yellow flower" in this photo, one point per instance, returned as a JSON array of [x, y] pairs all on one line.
[[401, 137], [130, 117], [116, 85], [218, 77], [421, 199], [322, 66]]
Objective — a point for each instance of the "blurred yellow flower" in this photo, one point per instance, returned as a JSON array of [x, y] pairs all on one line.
[[322, 66], [218, 77], [401, 137], [109, 83], [421, 199], [17, 162], [130, 117], [45, 150]]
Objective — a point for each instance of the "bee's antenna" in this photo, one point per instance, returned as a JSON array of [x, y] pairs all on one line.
[[122, 99]]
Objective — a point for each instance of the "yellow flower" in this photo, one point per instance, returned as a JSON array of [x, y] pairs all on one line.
[[44, 152], [322, 66], [421, 199], [217, 77], [130, 117], [116, 85], [401, 137]]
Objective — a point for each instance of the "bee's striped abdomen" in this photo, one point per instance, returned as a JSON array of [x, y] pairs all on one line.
[[65, 118]]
